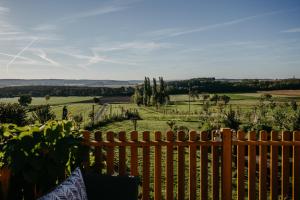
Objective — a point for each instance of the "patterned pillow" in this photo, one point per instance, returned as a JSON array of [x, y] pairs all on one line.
[[72, 188]]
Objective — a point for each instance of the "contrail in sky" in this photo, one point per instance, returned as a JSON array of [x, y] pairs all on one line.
[[18, 54]]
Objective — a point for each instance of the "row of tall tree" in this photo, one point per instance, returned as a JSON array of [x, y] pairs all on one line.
[[147, 94]]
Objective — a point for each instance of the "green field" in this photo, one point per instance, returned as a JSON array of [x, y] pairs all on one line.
[[156, 118], [153, 118]]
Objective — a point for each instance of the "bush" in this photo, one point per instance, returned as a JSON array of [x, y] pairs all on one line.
[[43, 114], [25, 100], [12, 113], [40, 156]]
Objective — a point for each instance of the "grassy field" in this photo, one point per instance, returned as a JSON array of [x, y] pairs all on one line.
[[52, 100], [155, 119]]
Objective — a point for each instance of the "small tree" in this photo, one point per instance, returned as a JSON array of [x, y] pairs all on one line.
[[12, 113], [47, 98], [43, 113], [65, 113], [78, 119], [204, 97], [225, 99], [215, 98], [137, 97], [171, 124], [25, 100], [294, 105], [96, 100], [231, 120]]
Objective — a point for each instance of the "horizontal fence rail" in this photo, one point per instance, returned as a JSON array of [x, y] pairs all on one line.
[[200, 165]]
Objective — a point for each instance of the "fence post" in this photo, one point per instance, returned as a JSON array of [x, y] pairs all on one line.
[[110, 154], [227, 164], [215, 169], [204, 167], [134, 154], [157, 168], [296, 167], [285, 166], [86, 153], [263, 167], [98, 153], [180, 167], [192, 166], [146, 166], [251, 166], [240, 166], [274, 168], [122, 154], [169, 166]]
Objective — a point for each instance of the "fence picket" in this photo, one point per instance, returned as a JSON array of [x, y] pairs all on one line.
[[296, 167], [122, 154], [251, 167], [203, 167], [110, 154], [285, 166], [181, 167], [215, 170], [157, 168], [146, 167], [263, 167], [240, 167], [192, 165], [274, 168], [98, 153], [227, 164], [134, 155], [169, 166]]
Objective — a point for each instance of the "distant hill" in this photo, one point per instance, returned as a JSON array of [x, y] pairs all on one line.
[[67, 82]]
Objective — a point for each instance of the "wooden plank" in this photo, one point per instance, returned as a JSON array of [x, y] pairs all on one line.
[[215, 170], [263, 167], [251, 167], [192, 166], [296, 168], [122, 154], [134, 154], [274, 168], [203, 167], [110, 154], [240, 167], [227, 164], [181, 167], [169, 166], [86, 154], [157, 168], [285, 166], [146, 167], [98, 153]]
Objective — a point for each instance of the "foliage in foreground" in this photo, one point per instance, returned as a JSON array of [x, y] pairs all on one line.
[[12, 113], [37, 155]]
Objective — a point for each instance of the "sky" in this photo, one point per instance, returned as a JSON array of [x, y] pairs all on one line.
[[130, 39]]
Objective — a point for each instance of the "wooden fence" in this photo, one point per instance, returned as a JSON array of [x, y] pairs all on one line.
[[273, 160]]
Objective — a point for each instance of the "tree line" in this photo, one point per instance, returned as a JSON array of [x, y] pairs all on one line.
[[202, 85]]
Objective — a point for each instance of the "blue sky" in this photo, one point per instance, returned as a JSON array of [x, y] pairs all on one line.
[[130, 39]]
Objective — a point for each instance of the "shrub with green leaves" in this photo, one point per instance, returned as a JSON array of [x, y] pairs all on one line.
[[43, 113], [40, 156], [12, 113]]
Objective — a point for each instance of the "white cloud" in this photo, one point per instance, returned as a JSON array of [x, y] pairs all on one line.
[[172, 32], [4, 10], [111, 7], [42, 54], [293, 30], [45, 27]]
